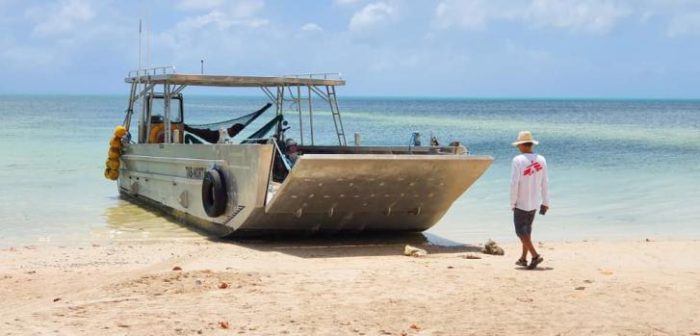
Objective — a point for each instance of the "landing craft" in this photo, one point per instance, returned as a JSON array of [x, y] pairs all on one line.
[[211, 177]]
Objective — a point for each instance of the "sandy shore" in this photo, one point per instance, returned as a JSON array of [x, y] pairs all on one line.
[[348, 288]]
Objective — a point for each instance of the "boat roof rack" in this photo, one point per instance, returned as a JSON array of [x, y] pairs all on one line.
[[322, 79], [278, 89]]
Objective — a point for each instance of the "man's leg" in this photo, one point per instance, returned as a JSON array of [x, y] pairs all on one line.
[[523, 256], [528, 246], [520, 231], [536, 257]]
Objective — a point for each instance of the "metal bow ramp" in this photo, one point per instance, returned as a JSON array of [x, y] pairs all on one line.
[[368, 192]]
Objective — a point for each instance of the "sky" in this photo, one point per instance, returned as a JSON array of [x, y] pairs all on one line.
[[456, 48]]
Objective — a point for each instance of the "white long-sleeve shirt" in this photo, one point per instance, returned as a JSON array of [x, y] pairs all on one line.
[[529, 182]]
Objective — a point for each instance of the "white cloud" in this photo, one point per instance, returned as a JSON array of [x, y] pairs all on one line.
[[371, 15], [684, 24], [246, 8], [220, 19], [199, 4], [346, 2], [59, 35], [60, 17], [593, 16], [226, 15], [469, 14], [311, 27]]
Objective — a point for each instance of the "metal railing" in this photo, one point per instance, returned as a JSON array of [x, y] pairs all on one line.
[[316, 75], [161, 70]]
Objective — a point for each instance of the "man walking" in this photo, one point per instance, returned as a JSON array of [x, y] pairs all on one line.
[[528, 183]]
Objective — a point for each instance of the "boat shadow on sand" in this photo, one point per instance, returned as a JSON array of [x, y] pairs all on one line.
[[359, 245]]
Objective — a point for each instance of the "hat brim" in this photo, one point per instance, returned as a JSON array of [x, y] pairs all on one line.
[[534, 142]]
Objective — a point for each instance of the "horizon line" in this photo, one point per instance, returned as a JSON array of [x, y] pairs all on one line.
[[364, 96]]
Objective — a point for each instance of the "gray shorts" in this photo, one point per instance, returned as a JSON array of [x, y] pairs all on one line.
[[523, 221]]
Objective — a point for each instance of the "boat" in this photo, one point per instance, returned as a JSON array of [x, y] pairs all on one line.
[[212, 178]]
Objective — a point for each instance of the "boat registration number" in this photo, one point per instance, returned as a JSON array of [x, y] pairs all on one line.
[[195, 172]]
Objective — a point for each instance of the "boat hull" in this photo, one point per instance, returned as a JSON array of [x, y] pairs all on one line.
[[324, 193]]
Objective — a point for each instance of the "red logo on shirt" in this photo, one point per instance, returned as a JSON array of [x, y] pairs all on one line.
[[532, 169]]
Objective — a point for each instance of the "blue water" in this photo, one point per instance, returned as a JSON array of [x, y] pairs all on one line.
[[618, 168]]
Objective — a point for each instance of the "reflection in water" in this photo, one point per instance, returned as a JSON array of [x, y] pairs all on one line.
[[126, 220]]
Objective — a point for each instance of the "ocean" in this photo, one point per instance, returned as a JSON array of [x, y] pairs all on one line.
[[619, 169]]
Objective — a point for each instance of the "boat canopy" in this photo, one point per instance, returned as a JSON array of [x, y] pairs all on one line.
[[296, 91]]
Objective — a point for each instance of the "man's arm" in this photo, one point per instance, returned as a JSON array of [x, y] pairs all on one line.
[[545, 184], [514, 182]]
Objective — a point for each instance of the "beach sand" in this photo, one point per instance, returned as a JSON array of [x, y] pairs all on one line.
[[348, 288]]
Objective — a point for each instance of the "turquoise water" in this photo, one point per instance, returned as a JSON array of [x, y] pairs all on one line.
[[619, 168]]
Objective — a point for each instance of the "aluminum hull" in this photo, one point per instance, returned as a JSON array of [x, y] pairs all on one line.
[[324, 193]]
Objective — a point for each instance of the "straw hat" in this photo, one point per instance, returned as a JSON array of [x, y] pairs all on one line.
[[525, 137]]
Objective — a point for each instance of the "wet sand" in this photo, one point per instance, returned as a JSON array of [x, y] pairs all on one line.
[[348, 288]]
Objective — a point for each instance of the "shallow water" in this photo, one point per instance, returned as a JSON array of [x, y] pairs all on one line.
[[619, 169]]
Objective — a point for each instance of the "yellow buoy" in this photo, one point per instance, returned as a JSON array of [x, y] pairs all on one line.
[[113, 174], [119, 131], [115, 143], [113, 153], [113, 164]]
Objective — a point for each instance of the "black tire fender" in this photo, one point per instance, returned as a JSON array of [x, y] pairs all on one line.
[[214, 193]]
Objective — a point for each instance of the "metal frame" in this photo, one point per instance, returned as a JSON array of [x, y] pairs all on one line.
[[147, 111], [144, 81], [329, 96]]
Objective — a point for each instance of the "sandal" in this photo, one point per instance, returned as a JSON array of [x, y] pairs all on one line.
[[521, 262], [535, 261]]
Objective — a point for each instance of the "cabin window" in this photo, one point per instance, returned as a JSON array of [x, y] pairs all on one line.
[[158, 109], [155, 119]]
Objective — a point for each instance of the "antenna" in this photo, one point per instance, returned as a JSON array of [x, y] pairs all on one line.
[[149, 31], [145, 16], [140, 30]]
